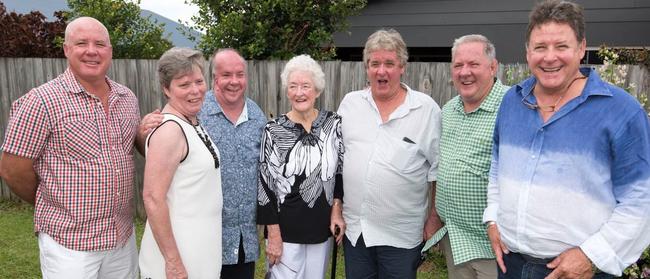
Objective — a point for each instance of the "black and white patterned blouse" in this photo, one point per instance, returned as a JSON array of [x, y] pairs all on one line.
[[300, 175]]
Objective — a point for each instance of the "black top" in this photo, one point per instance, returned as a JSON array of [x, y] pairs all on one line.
[[300, 175]]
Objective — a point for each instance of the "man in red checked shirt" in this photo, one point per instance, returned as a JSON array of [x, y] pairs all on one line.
[[69, 149]]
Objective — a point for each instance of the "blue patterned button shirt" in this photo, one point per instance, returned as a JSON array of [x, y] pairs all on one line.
[[239, 146]]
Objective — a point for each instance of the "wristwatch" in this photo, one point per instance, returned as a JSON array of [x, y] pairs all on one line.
[[594, 268]]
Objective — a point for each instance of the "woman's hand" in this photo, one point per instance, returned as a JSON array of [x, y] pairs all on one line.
[[274, 244], [174, 269], [336, 220]]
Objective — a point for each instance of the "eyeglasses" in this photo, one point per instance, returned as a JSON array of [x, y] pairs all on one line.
[[543, 108], [548, 108], [297, 87], [208, 143]]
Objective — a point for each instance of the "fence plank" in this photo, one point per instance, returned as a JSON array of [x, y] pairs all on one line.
[[19, 75]]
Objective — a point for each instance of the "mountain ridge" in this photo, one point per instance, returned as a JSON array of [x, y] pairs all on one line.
[[48, 7]]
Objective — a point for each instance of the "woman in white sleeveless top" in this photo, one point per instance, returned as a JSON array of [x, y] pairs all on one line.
[[182, 180]]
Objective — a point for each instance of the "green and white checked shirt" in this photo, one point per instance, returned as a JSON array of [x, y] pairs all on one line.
[[465, 154]]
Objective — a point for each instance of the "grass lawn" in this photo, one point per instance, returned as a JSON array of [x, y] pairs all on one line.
[[19, 247]]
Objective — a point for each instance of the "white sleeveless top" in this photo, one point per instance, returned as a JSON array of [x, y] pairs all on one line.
[[195, 202]]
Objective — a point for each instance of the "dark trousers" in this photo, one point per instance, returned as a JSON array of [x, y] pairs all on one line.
[[240, 270], [520, 266], [379, 262]]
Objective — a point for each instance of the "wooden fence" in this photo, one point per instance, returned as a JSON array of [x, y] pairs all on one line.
[[19, 75]]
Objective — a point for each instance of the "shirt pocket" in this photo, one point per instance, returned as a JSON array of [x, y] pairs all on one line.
[[81, 138], [480, 170], [128, 129], [398, 153]]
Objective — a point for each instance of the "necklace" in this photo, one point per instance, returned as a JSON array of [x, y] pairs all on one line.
[[203, 135], [553, 107]]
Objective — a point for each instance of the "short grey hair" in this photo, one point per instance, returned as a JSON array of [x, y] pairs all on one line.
[[386, 39], [307, 64], [178, 61], [489, 49]]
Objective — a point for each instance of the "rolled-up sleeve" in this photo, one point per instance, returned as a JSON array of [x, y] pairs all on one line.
[[626, 234]]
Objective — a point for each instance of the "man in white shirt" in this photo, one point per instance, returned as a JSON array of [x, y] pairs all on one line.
[[391, 135]]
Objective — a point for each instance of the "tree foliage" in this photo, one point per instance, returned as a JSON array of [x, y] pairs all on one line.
[[273, 29], [30, 35], [132, 36]]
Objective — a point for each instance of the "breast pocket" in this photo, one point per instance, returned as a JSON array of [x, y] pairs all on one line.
[[129, 129], [82, 139], [399, 154]]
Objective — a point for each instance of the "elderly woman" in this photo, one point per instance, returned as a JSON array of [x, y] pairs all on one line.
[[299, 199], [182, 180]]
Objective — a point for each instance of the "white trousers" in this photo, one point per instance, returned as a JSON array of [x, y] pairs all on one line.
[[301, 261], [58, 261]]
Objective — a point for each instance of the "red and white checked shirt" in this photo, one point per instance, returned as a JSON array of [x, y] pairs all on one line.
[[83, 159]]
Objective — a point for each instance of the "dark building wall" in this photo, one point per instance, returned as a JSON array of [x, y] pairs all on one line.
[[435, 24]]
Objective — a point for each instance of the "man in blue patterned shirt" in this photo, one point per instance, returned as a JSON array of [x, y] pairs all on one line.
[[235, 124]]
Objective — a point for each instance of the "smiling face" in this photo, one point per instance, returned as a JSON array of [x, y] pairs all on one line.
[[88, 49], [554, 53], [301, 91], [229, 78], [186, 92], [384, 72], [472, 72]]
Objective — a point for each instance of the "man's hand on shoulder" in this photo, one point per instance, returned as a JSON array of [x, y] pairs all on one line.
[[147, 124], [572, 263]]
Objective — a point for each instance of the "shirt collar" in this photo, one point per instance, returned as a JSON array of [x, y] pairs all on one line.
[[243, 116], [212, 107], [410, 102], [594, 86], [73, 85], [491, 101]]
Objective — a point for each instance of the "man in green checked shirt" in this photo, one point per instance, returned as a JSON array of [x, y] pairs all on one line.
[[465, 153]]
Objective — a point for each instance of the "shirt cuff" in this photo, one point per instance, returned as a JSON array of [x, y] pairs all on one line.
[[601, 254], [490, 213]]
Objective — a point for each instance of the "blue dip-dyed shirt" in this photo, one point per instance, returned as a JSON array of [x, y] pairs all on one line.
[[239, 146], [582, 179]]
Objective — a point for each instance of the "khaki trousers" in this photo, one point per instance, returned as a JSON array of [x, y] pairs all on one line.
[[474, 269]]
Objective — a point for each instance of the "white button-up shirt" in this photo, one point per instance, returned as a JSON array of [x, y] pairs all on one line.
[[387, 168]]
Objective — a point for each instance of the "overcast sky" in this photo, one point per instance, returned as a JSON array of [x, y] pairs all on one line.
[[172, 9]]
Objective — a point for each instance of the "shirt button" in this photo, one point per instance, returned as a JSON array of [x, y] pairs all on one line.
[[532, 156], [236, 251]]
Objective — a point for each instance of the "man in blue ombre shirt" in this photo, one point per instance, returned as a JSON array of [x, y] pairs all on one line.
[[569, 187]]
